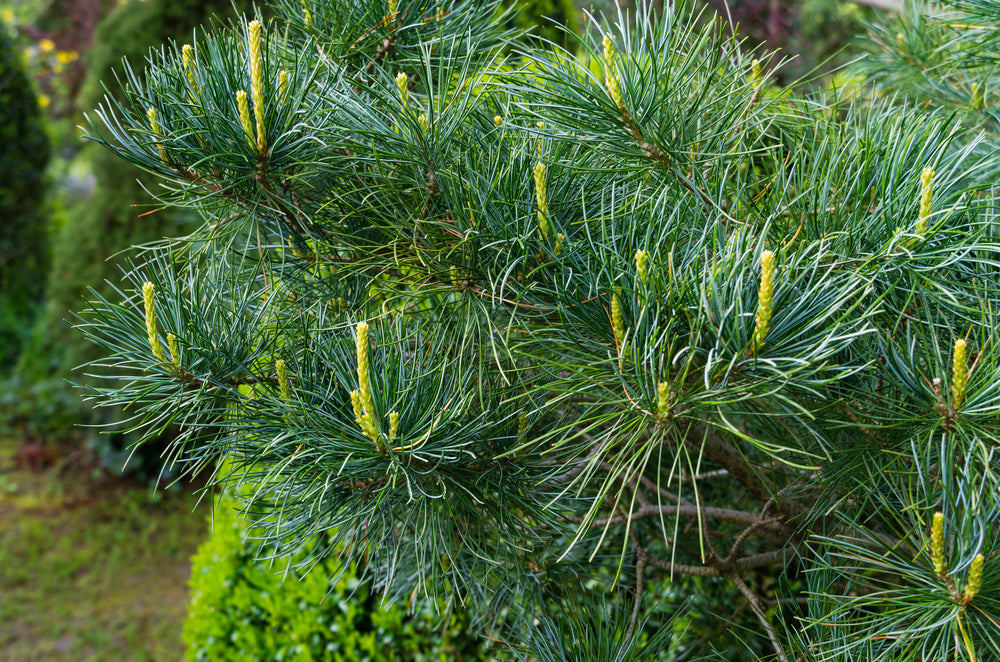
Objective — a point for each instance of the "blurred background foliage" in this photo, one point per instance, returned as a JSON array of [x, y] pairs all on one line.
[[70, 213]]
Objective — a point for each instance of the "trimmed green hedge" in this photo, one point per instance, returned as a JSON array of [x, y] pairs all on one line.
[[243, 611]]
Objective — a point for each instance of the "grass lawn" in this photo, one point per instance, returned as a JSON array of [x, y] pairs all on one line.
[[92, 569]]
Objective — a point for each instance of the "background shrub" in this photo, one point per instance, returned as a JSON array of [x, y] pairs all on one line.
[[243, 609], [24, 250]]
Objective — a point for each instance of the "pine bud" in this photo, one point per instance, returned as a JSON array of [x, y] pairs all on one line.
[[937, 544], [522, 424], [393, 424], [257, 84], [541, 198], [393, 6], [610, 72], [617, 321], [498, 120], [560, 241], [977, 96], [422, 120], [959, 374], [975, 580], [642, 266], [663, 400], [175, 354], [926, 199], [403, 83], [756, 75], [157, 130], [149, 302], [187, 59], [306, 14], [609, 52], [241, 104], [283, 83], [765, 298], [282, 370], [364, 380]]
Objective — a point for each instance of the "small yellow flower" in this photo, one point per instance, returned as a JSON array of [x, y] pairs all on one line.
[[65, 57], [46, 45], [7, 15], [44, 101]]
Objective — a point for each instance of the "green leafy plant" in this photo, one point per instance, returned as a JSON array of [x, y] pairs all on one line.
[[527, 330], [249, 608]]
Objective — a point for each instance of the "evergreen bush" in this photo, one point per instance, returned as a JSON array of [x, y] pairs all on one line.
[[24, 247], [244, 608], [525, 329]]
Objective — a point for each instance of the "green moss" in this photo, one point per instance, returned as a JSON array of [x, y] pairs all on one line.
[[243, 609]]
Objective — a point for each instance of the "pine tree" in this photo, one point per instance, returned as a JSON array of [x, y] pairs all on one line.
[[536, 332]]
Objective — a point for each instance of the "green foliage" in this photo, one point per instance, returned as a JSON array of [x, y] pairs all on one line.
[[528, 329], [121, 213], [547, 18], [24, 248], [248, 609]]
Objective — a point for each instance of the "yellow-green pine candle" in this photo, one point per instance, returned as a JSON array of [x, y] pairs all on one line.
[[175, 354], [937, 544], [306, 14], [157, 130], [283, 83], [148, 291], [642, 265], [257, 84], [756, 76], [560, 240], [541, 198], [393, 6], [282, 370], [393, 424], [244, 108], [498, 120], [403, 83], [364, 380], [662, 399], [959, 374], [926, 199], [422, 120], [610, 73], [522, 424], [187, 59], [977, 96], [975, 580], [617, 321], [765, 298], [359, 412]]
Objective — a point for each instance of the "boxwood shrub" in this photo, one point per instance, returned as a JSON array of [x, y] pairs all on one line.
[[246, 610]]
